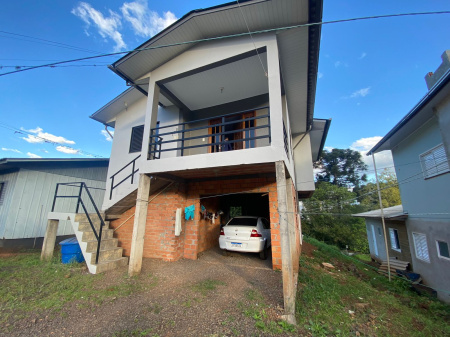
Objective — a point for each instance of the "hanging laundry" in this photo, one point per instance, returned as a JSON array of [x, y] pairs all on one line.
[[189, 212]]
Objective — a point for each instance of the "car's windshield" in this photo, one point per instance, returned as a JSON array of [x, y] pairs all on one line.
[[243, 222]]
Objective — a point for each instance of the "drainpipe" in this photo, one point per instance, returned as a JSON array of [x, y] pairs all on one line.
[[109, 133]]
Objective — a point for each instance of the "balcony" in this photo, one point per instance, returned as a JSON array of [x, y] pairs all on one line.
[[241, 130]]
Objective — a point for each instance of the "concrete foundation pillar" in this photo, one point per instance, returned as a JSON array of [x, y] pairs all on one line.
[[289, 289], [49, 240], [140, 220]]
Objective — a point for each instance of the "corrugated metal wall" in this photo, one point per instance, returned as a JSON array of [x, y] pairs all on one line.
[[5, 199], [26, 214]]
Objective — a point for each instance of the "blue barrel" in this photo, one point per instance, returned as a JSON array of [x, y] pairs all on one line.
[[71, 251]]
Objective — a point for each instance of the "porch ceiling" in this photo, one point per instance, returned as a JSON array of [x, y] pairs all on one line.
[[223, 84], [221, 172]]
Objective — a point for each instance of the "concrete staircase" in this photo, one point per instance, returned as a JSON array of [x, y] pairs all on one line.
[[110, 255]]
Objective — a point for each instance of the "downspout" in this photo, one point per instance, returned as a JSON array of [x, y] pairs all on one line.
[[109, 133]]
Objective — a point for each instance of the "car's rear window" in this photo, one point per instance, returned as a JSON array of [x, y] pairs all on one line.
[[243, 222]]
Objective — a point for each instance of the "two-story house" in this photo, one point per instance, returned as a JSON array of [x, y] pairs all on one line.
[[218, 121], [420, 145]]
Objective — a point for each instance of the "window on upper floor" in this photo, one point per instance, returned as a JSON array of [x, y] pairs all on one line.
[[137, 134], [434, 162], [395, 243], [421, 246], [442, 248]]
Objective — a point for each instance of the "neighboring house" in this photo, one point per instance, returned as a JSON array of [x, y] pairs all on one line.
[[27, 188], [420, 145], [398, 244], [223, 123]]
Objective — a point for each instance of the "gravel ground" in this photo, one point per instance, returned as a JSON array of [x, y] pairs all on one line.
[[169, 299]]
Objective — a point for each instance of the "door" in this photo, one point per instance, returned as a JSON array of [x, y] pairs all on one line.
[[375, 247], [215, 137], [246, 134]]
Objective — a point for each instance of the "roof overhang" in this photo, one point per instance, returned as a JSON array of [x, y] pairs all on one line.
[[390, 213], [318, 135], [298, 48], [15, 163], [417, 117]]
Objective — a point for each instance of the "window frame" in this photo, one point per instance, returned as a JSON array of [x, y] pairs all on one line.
[[394, 231], [134, 129], [445, 163], [415, 247], [439, 251], [2, 191]]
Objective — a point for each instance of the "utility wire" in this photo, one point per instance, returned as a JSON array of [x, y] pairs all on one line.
[[46, 140], [230, 36]]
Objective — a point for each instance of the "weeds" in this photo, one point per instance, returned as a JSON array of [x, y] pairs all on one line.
[[207, 286]]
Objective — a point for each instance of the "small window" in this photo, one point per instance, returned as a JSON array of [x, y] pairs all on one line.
[[2, 190], [235, 211], [434, 162], [379, 231], [395, 243], [421, 246], [137, 134], [442, 248]]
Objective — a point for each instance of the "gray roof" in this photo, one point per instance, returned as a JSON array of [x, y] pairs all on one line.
[[418, 115], [394, 212]]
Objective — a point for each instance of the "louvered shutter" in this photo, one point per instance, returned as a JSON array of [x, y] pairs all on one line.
[[137, 134], [421, 246], [434, 162]]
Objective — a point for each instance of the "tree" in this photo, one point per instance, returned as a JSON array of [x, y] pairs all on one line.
[[326, 216], [341, 167], [390, 193]]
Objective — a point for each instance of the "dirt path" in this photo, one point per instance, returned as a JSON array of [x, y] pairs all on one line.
[[214, 296]]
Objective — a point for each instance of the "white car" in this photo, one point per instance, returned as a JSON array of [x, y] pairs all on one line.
[[248, 234]]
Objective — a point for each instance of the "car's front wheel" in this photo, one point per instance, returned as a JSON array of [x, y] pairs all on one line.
[[263, 253]]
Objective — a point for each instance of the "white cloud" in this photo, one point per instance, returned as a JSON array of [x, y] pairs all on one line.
[[320, 75], [360, 93], [42, 136], [337, 64], [144, 21], [363, 55], [107, 136], [32, 155], [383, 159], [66, 149], [108, 27], [12, 150]]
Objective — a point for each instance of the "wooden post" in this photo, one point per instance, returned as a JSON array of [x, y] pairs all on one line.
[[382, 219], [285, 241], [140, 220], [49, 240]]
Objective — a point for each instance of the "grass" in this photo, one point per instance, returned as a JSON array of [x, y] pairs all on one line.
[[354, 298], [29, 284], [363, 257], [206, 286]]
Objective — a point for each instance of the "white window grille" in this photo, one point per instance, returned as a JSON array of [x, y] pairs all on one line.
[[434, 162], [421, 246], [395, 243]]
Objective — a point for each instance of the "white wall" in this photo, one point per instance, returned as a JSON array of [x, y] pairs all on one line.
[[304, 173]]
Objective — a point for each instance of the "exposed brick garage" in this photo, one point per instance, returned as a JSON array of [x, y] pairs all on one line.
[[200, 234]]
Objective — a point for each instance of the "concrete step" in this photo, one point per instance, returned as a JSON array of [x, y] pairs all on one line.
[[84, 226], [89, 235], [110, 265], [107, 255], [81, 217], [105, 244]]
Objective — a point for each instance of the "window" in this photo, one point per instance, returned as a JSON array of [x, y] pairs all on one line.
[[379, 231], [434, 162], [2, 190], [421, 246], [442, 248], [137, 134], [395, 244]]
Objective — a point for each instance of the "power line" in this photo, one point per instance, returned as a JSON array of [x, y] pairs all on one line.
[[29, 38], [230, 36], [58, 66], [46, 140]]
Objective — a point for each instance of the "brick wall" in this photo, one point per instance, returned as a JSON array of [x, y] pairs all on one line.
[[198, 234]]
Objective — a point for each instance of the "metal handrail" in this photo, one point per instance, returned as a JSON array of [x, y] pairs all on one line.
[[133, 172], [82, 185]]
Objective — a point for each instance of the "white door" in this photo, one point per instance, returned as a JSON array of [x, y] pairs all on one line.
[[375, 247]]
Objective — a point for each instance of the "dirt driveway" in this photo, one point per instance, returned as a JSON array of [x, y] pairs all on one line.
[[216, 295]]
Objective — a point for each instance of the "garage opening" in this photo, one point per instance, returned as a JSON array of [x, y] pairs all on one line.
[[219, 210]]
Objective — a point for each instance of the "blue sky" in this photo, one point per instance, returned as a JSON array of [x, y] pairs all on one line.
[[371, 73]]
